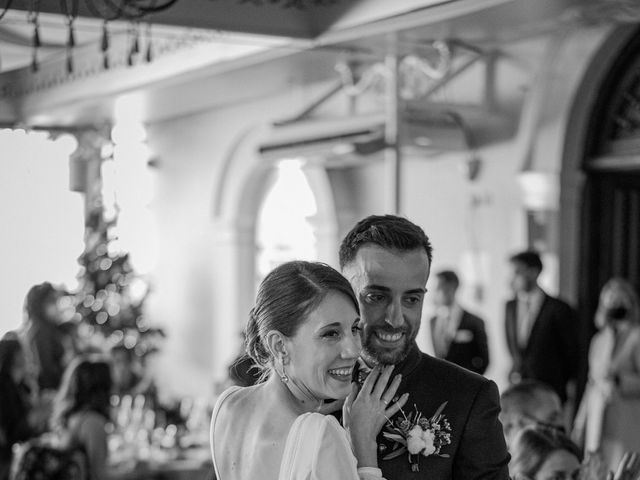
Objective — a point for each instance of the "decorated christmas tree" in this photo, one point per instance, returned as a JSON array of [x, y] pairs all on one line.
[[110, 299]]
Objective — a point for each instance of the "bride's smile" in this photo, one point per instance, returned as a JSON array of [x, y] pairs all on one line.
[[342, 374]]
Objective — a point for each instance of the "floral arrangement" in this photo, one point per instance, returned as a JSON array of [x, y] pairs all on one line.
[[418, 435]]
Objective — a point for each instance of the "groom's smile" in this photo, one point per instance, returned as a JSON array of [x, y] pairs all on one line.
[[389, 337]]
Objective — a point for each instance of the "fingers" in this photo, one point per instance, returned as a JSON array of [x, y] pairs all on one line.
[[383, 381], [390, 392], [370, 381], [348, 402], [396, 406]]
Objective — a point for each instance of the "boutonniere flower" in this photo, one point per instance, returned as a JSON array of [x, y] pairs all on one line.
[[418, 435]]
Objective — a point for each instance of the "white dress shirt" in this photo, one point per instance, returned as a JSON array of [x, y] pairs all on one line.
[[527, 309]]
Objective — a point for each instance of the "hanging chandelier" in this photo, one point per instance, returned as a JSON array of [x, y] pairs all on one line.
[[133, 11], [108, 10]]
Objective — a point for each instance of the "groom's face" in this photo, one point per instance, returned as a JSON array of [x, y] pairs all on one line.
[[390, 286]]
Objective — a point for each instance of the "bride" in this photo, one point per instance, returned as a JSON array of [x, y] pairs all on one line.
[[304, 332]]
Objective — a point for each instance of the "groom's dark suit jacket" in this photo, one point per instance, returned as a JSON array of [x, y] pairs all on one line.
[[477, 449]]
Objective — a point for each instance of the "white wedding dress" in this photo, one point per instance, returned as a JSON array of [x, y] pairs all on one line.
[[317, 448]]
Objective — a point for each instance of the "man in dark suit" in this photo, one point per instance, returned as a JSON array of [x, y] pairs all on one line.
[[541, 331], [458, 336], [387, 261]]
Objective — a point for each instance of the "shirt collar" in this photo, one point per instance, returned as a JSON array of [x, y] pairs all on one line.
[[453, 314], [533, 297]]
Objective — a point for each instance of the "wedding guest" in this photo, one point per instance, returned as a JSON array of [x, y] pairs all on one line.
[[540, 453], [44, 339], [458, 335], [304, 332], [387, 260], [541, 330], [69, 333], [16, 421], [82, 410], [527, 403], [607, 418]]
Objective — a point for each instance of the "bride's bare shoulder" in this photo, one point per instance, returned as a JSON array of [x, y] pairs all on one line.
[[238, 400]]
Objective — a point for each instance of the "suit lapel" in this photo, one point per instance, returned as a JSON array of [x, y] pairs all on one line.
[[537, 324], [511, 330]]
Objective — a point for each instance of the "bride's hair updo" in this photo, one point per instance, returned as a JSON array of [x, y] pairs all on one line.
[[287, 295]]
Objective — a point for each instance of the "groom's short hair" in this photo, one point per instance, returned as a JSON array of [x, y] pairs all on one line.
[[388, 231]]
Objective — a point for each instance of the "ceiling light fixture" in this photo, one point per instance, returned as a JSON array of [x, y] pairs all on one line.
[[134, 11]]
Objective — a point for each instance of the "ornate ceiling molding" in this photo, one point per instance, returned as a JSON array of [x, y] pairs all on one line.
[[87, 64]]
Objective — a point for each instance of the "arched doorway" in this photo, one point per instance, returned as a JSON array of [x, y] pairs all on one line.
[[610, 223], [296, 218]]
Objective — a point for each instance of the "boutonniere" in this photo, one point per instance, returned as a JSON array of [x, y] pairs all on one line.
[[418, 435]]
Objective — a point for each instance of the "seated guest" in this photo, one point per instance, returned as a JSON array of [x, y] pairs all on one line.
[[82, 410], [540, 453], [16, 422], [529, 402]]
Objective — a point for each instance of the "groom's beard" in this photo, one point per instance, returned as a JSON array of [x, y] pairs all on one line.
[[375, 350]]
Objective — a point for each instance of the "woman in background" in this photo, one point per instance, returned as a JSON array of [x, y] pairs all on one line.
[[81, 411], [612, 396], [43, 336], [16, 422]]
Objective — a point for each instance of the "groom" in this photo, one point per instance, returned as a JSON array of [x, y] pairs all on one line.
[[387, 261]]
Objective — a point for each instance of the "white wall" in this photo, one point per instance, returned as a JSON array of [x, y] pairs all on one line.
[[203, 286]]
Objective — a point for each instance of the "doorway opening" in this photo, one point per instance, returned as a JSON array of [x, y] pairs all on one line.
[[287, 220]]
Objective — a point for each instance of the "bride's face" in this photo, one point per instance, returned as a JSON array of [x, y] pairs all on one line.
[[324, 350]]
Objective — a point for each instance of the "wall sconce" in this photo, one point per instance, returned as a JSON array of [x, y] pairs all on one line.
[[540, 190]]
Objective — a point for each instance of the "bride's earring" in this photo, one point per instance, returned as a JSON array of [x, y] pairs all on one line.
[[283, 375]]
